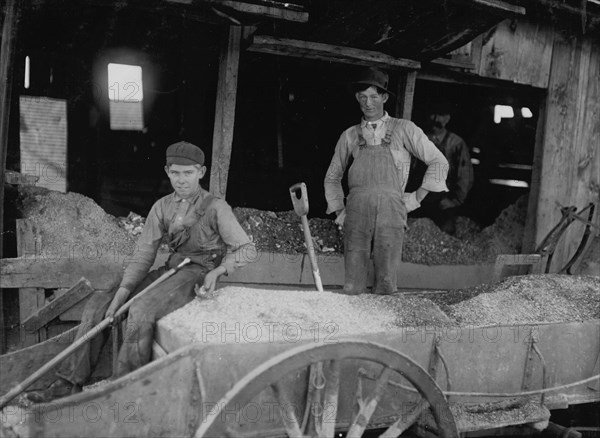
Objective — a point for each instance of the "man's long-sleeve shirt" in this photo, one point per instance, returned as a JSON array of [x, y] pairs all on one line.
[[460, 173], [170, 215], [407, 139]]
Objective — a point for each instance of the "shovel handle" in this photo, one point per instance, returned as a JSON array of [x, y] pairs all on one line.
[[4, 400], [300, 203]]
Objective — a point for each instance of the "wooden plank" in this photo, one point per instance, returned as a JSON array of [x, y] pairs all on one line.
[[56, 273], [405, 94], [515, 259], [569, 174], [585, 168], [75, 312], [47, 313], [225, 110], [30, 300], [28, 240], [20, 364], [16, 178], [267, 268], [327, 52], [501, 6], [276, 10], [529, 243], [518, 51], [7, 56]]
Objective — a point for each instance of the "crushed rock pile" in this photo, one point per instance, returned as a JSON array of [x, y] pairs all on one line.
[[424, 242], [271, 315], [530, 299], [73, 225]]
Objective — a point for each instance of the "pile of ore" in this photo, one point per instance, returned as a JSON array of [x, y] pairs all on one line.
[[260, 315], [525, 299], [70, 222], [424, 242], [72, 225], [273, 315]]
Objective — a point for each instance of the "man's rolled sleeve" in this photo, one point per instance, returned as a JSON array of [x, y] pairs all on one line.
[[240, 250], [147, 247], [419, 145], [334, 193]]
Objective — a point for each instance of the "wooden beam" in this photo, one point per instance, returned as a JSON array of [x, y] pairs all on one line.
[[48, 273], [327, 52], [7, 55], [276, 10], [405, 94], [81, 290], [225, 110], [501, 6], [16, 178]]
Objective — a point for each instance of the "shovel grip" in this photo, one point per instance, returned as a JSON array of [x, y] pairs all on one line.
[[300, 203]]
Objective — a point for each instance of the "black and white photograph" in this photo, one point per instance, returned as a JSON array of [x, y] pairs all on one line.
[[304, 219]]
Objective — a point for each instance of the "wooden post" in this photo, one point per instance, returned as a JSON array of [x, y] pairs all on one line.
[[405, 93], [7, 55], [31, 299], [225, 110]]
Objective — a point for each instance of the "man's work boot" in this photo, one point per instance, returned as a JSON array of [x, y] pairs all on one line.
[[58, 389]]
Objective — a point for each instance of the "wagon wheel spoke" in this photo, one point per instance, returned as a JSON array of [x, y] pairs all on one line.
[[405, 421], [288, 416], [363, 417], [330, 401]]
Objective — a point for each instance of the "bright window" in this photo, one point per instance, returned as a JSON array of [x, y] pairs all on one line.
[[503, 112], [125, 95], [526, 113], [27, 72]]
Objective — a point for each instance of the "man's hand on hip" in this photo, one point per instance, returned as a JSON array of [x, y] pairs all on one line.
[[341, 216], [420, 194], [118, 300]]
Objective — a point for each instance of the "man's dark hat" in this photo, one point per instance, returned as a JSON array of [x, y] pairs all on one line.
[[373, 76], [184, 153]]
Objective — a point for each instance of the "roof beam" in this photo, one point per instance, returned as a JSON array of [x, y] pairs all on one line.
[[271, 9], [327, 52], [502, 6]]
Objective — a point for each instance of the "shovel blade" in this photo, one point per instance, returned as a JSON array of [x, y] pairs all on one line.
[[299, 198]]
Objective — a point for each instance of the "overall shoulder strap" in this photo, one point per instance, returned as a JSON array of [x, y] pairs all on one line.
[[361, 139], [391, 126], [206, 203]]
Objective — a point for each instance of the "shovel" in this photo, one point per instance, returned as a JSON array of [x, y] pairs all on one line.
[[301, 209]]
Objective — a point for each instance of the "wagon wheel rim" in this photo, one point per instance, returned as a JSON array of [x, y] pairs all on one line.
[[276, 368]]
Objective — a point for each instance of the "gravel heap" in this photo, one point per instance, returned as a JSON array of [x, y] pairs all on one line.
[[73, 225], [530, 299], [271, 315], [424, 242]]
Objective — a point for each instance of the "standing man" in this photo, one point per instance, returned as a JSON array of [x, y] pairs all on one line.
[[196, 225], [443, 208], [374, 216]]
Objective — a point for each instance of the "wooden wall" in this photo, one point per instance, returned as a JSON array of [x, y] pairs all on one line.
[[517, 51], [570, 160], [567, 158]]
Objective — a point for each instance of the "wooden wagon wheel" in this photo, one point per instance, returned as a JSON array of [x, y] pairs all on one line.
[[271, 372]]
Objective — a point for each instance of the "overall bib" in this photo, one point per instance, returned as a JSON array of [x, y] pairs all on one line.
[[170, 295], [375, 217]]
